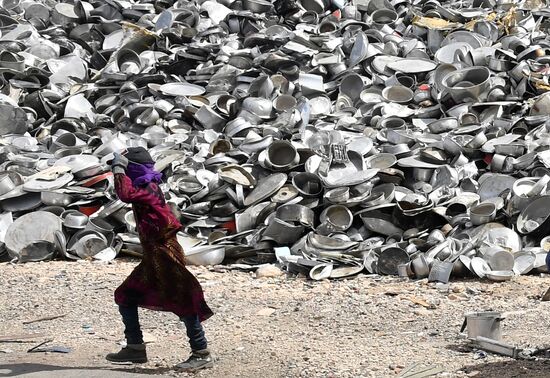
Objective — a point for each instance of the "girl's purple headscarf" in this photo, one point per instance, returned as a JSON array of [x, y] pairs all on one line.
[[143, 174]]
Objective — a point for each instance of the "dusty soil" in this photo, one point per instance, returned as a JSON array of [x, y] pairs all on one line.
[[272, 327]]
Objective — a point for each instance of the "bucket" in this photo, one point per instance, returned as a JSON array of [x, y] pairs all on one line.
[[486, 324], [441, 271]]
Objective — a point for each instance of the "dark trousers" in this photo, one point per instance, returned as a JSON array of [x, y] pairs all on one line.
[[132, 329]]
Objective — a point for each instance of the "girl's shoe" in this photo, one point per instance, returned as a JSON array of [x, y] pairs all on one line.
[[135, 353], [199, 359]]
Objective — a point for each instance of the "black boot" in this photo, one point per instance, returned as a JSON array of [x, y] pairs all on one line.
[[199, 359], [135, 353]]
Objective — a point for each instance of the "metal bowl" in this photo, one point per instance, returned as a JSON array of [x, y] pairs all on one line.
[[399, 137], [398, 93], [380, 223], [66, 140], [128, 61], [392, 122], [100, 225], [500, 275], [284, 103], [74, 219], [205, 255]]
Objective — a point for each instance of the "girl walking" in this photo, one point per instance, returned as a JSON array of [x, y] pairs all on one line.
[[161, 281]]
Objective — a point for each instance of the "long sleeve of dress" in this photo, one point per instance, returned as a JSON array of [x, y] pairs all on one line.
[[128, 193]]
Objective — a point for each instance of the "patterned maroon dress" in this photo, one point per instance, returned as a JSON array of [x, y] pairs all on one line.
[[160, 281]]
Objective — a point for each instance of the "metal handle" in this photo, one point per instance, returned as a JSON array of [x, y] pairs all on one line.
[[463, 325]]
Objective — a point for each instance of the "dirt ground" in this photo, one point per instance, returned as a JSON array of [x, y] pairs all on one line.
[[271, 327]]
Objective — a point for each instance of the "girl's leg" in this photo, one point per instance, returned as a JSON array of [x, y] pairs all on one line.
[[195, 332], [200, 357], [132, 329], [135, 349]]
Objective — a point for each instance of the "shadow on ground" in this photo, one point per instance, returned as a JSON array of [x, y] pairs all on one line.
[[47, 371], [511, 369]]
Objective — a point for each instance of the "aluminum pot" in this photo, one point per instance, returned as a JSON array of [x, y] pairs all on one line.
[[499, 259], [281, 155], [100, 225], [308, 184], [390, 259], [336, 218], [483, 213], [420, 266], [398, 94], [87, 243], [384, 17], [486, 324], [65, 140], [467, 84]]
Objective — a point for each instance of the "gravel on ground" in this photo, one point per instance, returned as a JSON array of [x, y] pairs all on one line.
[[368, 326]]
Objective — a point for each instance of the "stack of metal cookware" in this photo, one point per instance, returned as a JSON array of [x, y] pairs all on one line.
[[332, 136]]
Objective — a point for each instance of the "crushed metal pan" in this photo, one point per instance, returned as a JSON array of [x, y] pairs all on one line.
[[87, 243], [335, 218], [533, 219], [283, 232], [321, 272], [266, 188], [524, 262], [30, 231], [38, 250], [237, 175], [296, 213], [380, 223]]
